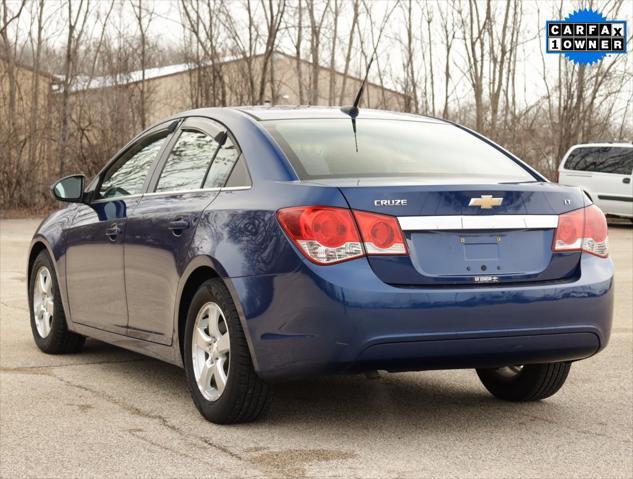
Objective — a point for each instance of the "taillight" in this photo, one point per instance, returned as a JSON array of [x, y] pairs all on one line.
[[582, 230], [327, 234], [324, 234], [381, 233], [557, 180]]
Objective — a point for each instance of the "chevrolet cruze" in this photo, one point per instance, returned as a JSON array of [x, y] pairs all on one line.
[[252, 245]]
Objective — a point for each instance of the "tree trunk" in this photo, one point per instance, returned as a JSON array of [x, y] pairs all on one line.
[[332, 89], [348, 55], [35, 95]]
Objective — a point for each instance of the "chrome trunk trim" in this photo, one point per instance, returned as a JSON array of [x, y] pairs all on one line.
[[484, 222]]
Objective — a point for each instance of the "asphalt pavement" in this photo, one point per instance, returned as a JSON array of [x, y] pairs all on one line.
[[111, 413]]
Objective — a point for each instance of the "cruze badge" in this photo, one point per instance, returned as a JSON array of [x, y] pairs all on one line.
[[390, 202], [486, 202]]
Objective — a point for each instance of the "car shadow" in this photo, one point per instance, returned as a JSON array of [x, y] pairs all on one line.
[[424, 398], [444, 400]]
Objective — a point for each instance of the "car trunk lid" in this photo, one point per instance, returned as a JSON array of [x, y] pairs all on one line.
[[470, 233]]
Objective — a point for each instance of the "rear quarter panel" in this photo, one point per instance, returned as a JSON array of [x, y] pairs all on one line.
[[240, 233], [238, 236]]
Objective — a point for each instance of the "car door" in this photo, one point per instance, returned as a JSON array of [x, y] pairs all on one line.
[[611, 180], [94, 256], [577, 169], [162, 225]]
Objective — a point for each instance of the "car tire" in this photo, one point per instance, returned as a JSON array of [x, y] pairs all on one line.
[[531, 382], [223, 383], [48, 320]]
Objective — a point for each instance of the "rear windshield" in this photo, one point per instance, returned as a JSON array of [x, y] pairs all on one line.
[[601, 159], [325, 148]]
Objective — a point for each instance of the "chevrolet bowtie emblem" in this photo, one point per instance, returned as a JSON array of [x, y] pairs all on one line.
[[486, 202]]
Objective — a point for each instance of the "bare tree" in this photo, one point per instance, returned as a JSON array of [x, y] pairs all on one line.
[[67, 86], [35, 86], [76, 24], [473, 29], [143, 19], [448, 37], [431, 68], [332, 87], [350, 46], [499, 48], [376, 34], [8, 18], [412, 101], [297, 45], [203, 20], [10, 144], [509, 90], [273, 12], [316, 25]]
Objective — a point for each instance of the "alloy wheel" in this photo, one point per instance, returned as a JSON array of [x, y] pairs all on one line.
[[43, 301], [210, 351]]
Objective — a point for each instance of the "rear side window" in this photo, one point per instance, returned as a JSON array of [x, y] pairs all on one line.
[[188, 162], [222, 165], [603, 159], [617, 160], [239, 176], [326, 148]]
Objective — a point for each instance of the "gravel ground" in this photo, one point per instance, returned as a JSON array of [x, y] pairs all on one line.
[[109, 412]]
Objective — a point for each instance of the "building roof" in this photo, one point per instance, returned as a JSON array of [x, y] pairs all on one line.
[[84, 83]]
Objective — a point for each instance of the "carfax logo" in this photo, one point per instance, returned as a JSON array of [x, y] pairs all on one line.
[[586, 36]]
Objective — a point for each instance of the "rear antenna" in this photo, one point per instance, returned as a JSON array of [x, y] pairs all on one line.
[[352, 110]]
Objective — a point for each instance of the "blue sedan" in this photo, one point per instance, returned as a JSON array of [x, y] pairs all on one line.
[[253, 245]]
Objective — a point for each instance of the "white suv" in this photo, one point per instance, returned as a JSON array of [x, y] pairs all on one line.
[[604, 171]]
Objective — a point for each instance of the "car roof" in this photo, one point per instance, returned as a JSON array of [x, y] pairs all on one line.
[[264, 113]]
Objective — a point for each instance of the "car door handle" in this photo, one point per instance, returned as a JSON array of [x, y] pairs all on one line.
[[626, 180], [177, 226], [113, 231]]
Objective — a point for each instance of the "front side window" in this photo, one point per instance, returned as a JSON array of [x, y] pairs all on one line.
[[222, 165], [188, 162], [127, 177], [326, 148]]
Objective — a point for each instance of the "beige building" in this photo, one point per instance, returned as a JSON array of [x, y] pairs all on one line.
[[106, 112], [24, 100], [231, 81], [25, 140]]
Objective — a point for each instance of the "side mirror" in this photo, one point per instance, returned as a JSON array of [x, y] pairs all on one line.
[[69, 189]]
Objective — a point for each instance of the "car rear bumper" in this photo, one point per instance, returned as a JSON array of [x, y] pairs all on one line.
[[343, 318], [484, 352]]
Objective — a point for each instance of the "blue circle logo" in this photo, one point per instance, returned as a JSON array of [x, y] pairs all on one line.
[[585, 16], [586, 36]]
